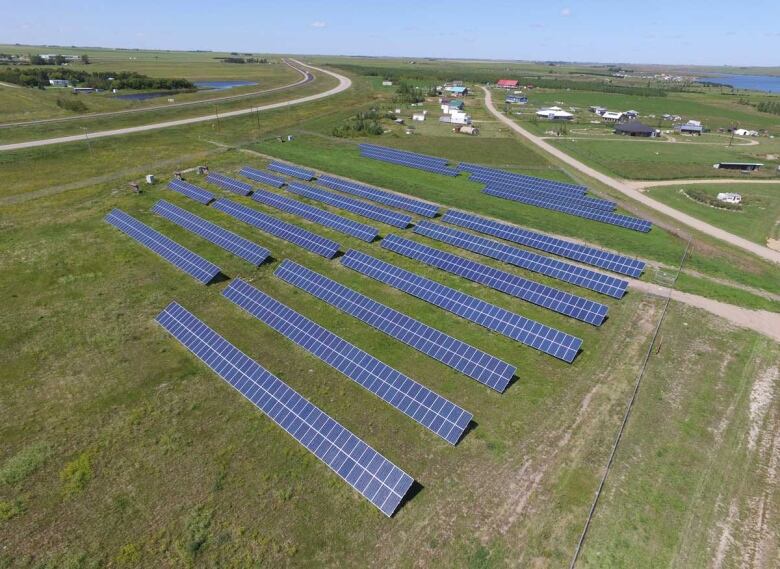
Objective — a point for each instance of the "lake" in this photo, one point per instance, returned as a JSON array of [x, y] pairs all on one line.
[[201, 85], [768, 83]]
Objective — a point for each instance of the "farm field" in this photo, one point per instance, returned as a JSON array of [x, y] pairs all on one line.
[[118, 448]]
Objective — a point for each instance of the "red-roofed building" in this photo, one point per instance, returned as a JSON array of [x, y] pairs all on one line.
[[507, 83]]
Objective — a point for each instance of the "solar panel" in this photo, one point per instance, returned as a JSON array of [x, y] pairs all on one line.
[[357, 207], [347, 226], [538, 336], [495, 174], [433, 160], [181, 257], [434, 412], [380, 196], [625, 221], [290, 170], [586, 202], [567, 272], [228, 240], [262, 177], [444, 170], [377, 479], [542, 295], [466, 359], [191, 191], [582, 253], [278, 228], [230, 184]]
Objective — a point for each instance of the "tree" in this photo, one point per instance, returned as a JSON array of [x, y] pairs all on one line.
[[85, 59]]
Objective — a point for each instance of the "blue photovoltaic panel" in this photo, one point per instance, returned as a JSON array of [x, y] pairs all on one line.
[[230, 184], [262, 177], [528, 332], [191, 191], [192, 264], [433, 411], [377, 479], [585, 202], [567, 272], [626, 221], [530, 291], [582, 253], [468, 360], [278, 228], [444, 170], [380, 196], [494, 174], [290, 170], [228, 240], [400, 220], [406, 155], [317, 215]]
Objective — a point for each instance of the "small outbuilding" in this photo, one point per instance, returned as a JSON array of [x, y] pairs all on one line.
[[468, 129], [635, 128], [450, 105], [729, 197], [612, 116], [516, 99], [744, 166], [419, 116], [691, 127]]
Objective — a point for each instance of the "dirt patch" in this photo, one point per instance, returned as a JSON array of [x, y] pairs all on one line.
[[726, 528], [761, 397], [773, 244]]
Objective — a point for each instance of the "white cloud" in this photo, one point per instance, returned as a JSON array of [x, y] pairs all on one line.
[[566, 12], [318, 24]]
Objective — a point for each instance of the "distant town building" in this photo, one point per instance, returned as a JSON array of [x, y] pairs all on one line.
[[507, 83], [635, 128], [728, 197]]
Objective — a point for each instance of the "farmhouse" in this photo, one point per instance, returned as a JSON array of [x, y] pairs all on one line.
[[457, 90], [555, 114], [449, 105], [728, 197], [507, 83], [612, 116], [635, 128], [744, 166]]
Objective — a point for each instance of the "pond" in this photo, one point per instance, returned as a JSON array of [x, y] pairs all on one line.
[[201, 85], [223, 84]]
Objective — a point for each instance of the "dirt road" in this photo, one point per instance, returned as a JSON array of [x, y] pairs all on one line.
[[344, 84], [632, 192], [643, 184]]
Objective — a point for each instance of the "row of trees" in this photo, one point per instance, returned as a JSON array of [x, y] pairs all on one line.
[[772, 107], [243, 59], [37, 77], [56, 60]]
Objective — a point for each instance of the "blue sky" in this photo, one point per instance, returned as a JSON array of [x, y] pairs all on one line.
[[649, 31]]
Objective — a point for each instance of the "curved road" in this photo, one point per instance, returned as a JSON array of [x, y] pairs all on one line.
[[307, 78], [344, 84], [631, 191]]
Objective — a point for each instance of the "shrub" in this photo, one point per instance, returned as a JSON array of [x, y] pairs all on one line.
[[77, 473], [73, 104], [24, 463]]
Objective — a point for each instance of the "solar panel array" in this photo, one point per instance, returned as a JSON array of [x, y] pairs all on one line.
[[530, 291], [586, 202], [230, 184], [191, 191], [317, 215], [262, 177], [181, 257], [485, 174], [626, 221], [410, 159], [400, 220], [228, 240], [377, 479], [434, 412], [582, 253], [380, 196], [290, 170], [470, 361], [538, 336], [567, 272], [278, 228]]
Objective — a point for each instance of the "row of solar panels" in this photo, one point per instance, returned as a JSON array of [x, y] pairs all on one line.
[[529, 190]]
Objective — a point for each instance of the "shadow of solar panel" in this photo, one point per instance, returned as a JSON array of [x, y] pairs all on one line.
[[262, 177], [229, 184], [380, 196], [278, 228], [554, 268], [625, 221], [494, 174], [357, 207], [582, 253], [290, 170], [181, 257], [584, 202], [530, 291], [191, 191], [228, 240], [466, 359], [419, 403], [342, 224], [377, 479], [533, 334]]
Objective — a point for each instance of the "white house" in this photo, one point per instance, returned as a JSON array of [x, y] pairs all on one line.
[[612, 116], [460, 117], [728, 197], [447, 106], [419, 116], [555, 114]]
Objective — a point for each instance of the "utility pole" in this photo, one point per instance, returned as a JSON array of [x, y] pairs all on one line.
[[86, 137]]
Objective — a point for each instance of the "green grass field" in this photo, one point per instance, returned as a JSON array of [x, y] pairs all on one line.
[[119, 449]]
